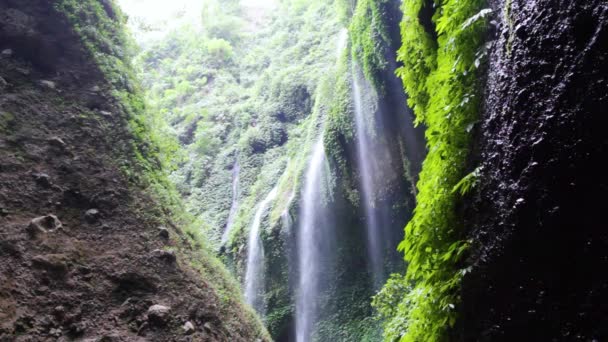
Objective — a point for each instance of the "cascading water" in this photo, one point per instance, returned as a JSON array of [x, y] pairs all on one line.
[[235, 201], [309, 254], [254, 277], [366, 159], [314, 236], [342, 40], [285, 216]]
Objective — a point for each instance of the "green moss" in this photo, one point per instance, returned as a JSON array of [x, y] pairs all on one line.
[[419, 57], [442, 81], [370, 38], [510, 24], [339, 130], [6, 121]]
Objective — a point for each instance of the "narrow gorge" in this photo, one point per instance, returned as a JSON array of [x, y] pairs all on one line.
[[303, 170]]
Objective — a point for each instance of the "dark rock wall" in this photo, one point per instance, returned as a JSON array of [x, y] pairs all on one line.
[[541, 253]]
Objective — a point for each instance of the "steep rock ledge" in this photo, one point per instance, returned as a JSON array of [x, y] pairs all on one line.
[[101, 268], [538, 216]]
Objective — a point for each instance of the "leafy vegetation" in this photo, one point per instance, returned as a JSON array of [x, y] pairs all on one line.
[[441, 78], [370, 38], [236, 93], [262, 106]]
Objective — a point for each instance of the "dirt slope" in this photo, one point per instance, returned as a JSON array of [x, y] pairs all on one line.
[[101, 268]]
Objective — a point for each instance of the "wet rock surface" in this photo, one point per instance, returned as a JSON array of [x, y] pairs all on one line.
[[541, 243]]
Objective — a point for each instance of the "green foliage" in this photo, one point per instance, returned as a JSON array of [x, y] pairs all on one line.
[[345, 10], [419, 57], [467, 183], [103, 34], [6, 120], [370, 38], [220, 50], [442, 81], [220, 19], [339, 129], [391, 307]]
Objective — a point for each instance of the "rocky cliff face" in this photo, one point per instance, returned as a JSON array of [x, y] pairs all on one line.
[[85, 251], [537, 219]]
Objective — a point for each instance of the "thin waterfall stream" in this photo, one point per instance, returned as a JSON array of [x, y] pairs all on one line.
[[366, 159], [254, 277], [313, 232], [309, 254], [235, 201]]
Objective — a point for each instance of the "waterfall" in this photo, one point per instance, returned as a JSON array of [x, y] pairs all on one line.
[[254, 277], [308, 247], [235, 201], [314, 235], [366, 159], [342, 40], [285, 216]]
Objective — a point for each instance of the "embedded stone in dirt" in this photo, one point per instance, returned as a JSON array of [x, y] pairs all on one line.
[[109, 338], [77, 329], [168, 256], [42, 179], [92, 216], [41, 225], [48, 84], [158, 314], [23, 71], [131, 282], [163, 233], [57, 141], [188, 328], [10, 248], [53, 263]]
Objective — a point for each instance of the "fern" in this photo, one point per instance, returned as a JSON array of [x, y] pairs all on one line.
[[467, 183]]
